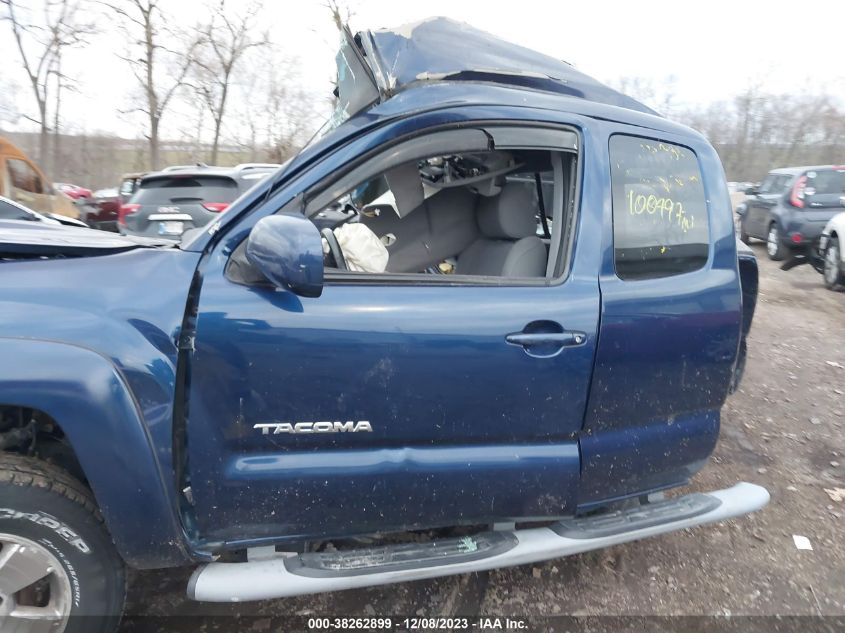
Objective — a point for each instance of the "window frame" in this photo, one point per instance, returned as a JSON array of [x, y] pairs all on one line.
[[309, 203], [707, 208]]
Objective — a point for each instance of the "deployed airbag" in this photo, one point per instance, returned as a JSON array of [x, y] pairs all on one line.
[[362, 249]]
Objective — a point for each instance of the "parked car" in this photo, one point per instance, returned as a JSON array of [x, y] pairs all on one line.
[[433, 363], [169, 202], [791, 207], [832, 253], [128, 185], [100, 210], [103, 210], [11, 210], [104, 194], [22, 181], [74, 192], [828, 258]]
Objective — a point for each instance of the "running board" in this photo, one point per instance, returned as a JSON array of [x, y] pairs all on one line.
[[279, 577]]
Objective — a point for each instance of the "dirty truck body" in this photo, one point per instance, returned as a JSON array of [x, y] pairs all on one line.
[[211, 416]]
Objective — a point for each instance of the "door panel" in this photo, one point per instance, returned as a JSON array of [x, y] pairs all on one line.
[[668, 345], [771, 191], [759, 207], [465, 427]]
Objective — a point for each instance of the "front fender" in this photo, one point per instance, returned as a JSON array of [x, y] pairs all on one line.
[[88, 397]]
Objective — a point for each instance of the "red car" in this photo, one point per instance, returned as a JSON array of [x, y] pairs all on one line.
[[74, 192], [101, 210]]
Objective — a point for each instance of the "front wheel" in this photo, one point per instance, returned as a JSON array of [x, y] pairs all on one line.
[[832, 272], [774, 246], [59, 571]]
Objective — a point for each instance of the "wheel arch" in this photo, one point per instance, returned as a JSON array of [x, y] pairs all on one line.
[[86, 396]]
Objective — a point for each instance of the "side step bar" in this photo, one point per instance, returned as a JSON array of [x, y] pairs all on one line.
[[278, 577]]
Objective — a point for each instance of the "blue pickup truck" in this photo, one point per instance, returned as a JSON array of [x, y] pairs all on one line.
[[487, 318]]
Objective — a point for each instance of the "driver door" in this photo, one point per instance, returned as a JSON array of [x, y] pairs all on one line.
[[386, 405]]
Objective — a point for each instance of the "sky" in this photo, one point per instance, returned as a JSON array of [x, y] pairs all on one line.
[[711, 49]]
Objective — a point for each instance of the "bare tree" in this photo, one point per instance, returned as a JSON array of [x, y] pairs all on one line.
[[658, 95], [276, 115], [40, 42], [340, 14], [288, 117], [57, 108], [224, 42], [8, 106], [755, 131], [147, 28]]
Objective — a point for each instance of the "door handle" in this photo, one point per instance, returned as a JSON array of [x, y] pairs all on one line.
[[549, 341], [562, 338]]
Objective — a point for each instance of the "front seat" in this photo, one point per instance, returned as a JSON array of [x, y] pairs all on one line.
[[508, 245]]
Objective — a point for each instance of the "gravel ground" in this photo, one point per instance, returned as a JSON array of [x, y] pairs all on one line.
[[783, 430]]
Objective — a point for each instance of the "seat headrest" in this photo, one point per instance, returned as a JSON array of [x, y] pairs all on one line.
[[510, 215]]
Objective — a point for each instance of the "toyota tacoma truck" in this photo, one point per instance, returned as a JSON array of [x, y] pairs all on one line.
[[488, 317]]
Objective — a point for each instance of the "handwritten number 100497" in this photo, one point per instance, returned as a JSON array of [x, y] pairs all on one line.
[[668, 210]]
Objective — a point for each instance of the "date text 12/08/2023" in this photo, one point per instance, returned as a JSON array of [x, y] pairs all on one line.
[[418, 624]]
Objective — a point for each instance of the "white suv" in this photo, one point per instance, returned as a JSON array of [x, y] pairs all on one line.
[[832, 253]]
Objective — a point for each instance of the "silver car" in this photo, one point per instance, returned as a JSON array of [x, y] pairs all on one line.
[[169, 202]]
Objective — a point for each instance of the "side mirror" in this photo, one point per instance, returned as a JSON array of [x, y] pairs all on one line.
[[752, 190], [288, 251]]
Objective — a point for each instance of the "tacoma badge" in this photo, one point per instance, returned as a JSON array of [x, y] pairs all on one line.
[[314, 427]]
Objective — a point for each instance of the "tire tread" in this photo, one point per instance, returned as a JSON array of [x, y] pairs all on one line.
[[30, 472]]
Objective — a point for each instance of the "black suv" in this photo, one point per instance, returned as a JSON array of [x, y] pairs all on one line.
[[169, 202], [791, 207]]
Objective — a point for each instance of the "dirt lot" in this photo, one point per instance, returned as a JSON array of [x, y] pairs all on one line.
[[784, 430]]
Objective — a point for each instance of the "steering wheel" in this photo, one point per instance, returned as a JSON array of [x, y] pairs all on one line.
[[334, 249]]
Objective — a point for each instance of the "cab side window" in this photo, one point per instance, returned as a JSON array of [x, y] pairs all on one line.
[[660, 219], [23, 177], [472, 215]]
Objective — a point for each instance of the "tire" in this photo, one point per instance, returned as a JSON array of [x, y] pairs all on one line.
[[774, 246], [832, 271], [48, 520]]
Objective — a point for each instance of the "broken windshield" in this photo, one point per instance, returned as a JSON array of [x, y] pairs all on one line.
[[356, 87]]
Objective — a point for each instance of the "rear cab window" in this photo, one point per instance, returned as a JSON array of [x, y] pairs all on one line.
[[175, 189], [660, 216]]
